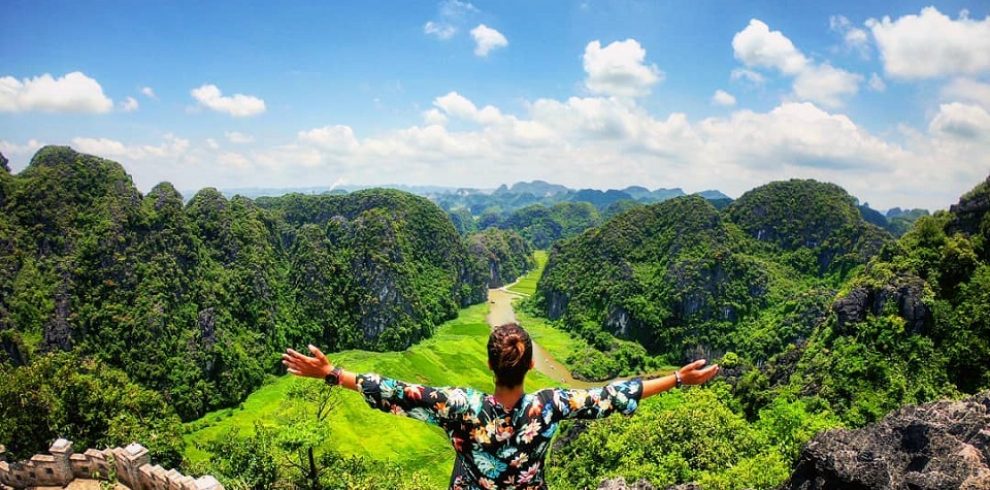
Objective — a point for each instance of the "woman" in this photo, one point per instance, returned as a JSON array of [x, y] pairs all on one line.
[[500, 439]]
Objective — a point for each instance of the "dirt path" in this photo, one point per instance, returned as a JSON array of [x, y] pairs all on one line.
[[500, 312]]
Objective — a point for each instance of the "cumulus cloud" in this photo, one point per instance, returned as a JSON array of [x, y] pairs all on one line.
[[826, 84], [337, 138], [487, 39], [73, 92], [967, 89], [148, 92], [237, 105], [723, 98], [238, 138], [170, 147], [931, 44], [968, 122], [756, 46], [619, 69], [130, 104]]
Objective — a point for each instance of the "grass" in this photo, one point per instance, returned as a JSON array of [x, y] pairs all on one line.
[[527, 283], [455, 355]]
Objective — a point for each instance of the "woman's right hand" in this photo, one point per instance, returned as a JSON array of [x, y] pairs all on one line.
[[310, 367], [693, 374]]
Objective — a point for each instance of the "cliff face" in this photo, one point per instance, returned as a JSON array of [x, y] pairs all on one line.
[[194, 300], [938, 445], [502, 256]]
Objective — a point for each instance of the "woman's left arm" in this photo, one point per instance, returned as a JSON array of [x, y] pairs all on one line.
[[381, 393]]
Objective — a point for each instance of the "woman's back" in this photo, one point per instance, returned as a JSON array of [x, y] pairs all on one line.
[[497, 446]]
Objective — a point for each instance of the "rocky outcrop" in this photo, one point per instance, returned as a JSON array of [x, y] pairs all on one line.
[[903, 296], [620, 483], [941, 445], [970, 211]]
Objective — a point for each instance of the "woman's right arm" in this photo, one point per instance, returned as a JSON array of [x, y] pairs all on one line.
[[388, 395]]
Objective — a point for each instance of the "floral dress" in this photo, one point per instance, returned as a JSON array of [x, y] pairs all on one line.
[[498, 448]]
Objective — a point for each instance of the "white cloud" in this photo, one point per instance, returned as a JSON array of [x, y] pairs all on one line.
[[451, 15], [73, 92], [338, 138], [826, 84], [969, 90], [487, 39], [148, 92], [9, 148], [876, 83], [853, 38], [212, 144], [759, 47], [963, 121], [439, 30], [456, 105], [238, 138], [931, 44], [723, 98], [171, 147], [434, 116], [749, 76], [618, 69], [237, 105], [130, 104]]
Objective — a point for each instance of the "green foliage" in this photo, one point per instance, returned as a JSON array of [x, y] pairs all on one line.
[[502, 255], [196, 301], [685, 436], [541, 226], [86, 401]]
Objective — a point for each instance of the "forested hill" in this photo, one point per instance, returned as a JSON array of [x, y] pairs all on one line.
[[686, 279], [195, 301]]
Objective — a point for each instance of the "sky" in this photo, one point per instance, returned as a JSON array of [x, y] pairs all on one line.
[[890, 100]]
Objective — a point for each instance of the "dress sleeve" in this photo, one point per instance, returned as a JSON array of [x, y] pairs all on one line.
[[618, 396], [411, 400]]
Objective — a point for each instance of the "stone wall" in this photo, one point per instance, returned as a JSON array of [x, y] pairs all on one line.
[[131, 465]]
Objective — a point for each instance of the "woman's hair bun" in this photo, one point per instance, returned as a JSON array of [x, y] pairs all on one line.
[[510, 352]]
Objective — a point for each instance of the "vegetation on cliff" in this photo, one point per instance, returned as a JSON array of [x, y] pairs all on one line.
[[194, 301]]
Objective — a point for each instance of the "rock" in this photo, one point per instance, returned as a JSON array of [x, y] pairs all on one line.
[[939, 445], [4, 163], [903, 296], [619, 483], [971, 209]]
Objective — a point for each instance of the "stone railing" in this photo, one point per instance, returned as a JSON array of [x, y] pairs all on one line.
[[131, 466]]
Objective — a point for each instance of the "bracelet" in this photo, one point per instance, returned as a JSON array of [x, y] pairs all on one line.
[[677, 376], [333, 379]]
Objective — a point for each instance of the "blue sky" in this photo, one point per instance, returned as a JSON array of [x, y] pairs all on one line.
[[888, 99]]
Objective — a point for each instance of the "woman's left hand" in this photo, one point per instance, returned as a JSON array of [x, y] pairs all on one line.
[[310, 367]]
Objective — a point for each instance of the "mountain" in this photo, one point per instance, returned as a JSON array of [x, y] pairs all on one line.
[[537, 188], [541, 226], [686, 280], [599, 199], [813, 217], [502, 255], [195, 301], [713, 195]]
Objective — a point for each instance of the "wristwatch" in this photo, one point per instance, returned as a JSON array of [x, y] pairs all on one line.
[[677, 376], [333, 379]]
